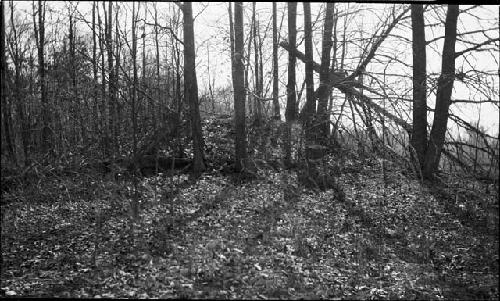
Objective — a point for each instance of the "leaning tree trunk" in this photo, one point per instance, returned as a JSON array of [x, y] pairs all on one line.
[[443, 95]]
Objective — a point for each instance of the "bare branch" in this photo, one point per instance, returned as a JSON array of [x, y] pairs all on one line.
[[166, 28], [377, 44], [339, 81], [476, 47]]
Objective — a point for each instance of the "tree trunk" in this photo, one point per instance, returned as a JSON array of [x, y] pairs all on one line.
[[309, 109], [6, 102], [147, 105], [323, 115], [18, 96], [111, 79], [159, 112], [46, 131], [104, 115], [94, 69], [419, 133], [310, 105], [135, 78], [443, 94], [260, 84], [231, 38], [191, 88], [276, 103], [290, 111], [116, 79], [257, 89], [179, 102], [239, 89], [312, 152]]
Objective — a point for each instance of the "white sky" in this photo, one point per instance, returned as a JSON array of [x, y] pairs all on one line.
[[211, 32]]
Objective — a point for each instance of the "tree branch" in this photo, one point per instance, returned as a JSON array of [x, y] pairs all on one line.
[[476, 47], [339, 81], [376, 45], [167, 28]]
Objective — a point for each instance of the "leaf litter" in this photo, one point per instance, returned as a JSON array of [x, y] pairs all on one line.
[[267, 238]]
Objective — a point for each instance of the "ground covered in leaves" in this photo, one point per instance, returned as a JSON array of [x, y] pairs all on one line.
[[216, 237]]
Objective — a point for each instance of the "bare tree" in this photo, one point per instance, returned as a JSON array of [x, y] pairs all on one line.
[[133, 53], [443, 95], [16, 90], [257, 83], [40, 39], [310, 105], [323, 92], [239, 89], [231, 36], [6, 103], [290, 112], [161, 110], [276, 103], [419, 133], [94, 67], [111, 80], [191, 88], [104, 115]]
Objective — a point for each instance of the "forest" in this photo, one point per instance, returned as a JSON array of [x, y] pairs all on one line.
[[229, 150]]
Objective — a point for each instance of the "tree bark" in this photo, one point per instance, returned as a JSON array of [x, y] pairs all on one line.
[[94, 69], [276, 103], [147, 105], [310, 105], [6, 102], [111, 79], [191, 88], [290, 113], [443, 94], [116, 79], [104, 115], [159, 112], [249, 102], [46, 131], [323, 115], [257, 102], [291, 97], [18, 95], [231, 37], [135, 78], [419, 134], [239, 89]]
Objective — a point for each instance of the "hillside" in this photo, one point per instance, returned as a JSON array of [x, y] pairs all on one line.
[[266, 236]]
